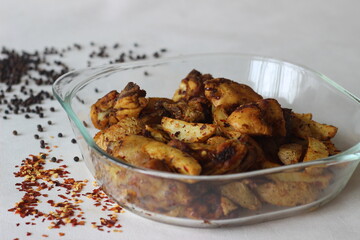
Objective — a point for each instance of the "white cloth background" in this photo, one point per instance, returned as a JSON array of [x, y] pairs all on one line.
[[323, 35]]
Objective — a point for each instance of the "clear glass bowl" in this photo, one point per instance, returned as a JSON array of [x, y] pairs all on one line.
[[195, 201]]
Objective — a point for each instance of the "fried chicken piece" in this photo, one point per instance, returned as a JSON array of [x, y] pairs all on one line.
[[114, 106], [191, 86], [229, 94]]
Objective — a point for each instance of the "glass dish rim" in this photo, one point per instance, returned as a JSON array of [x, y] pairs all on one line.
[[350, 154]]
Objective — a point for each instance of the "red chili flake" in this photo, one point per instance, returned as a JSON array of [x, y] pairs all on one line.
[[61, 234], [37, 179], [44, 235], [62, 196], [28, 234]]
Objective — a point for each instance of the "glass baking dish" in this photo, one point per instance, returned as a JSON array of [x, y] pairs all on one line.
[[198, 201]]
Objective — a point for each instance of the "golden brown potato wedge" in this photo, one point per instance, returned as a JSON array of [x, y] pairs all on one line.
[[224, 128], [274, 116], [322, 181], [187, 132], [240, 193], [303, 126], [156, 132], [229, 94], [249, 119], [226, 157], [264, 117], [316, 150], [138, 150], [124, 127], [227, 205], [114, 106], [290, 153], [191, 86], [287, 194]]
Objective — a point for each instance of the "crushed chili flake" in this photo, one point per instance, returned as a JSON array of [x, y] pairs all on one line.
[[35, 178], [67, 210]]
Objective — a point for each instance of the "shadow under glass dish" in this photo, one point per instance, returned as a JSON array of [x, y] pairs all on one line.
[[195, 201]]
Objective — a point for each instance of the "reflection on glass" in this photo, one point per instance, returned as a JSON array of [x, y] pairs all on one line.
[[276, 80]]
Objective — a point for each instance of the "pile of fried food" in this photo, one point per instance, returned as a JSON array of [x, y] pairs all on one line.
[[215, 126]]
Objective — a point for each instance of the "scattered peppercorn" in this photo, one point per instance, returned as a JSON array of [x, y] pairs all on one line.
[[39, 68], [156, 55]]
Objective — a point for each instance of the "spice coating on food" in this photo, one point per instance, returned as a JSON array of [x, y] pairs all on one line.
[[238, 131]]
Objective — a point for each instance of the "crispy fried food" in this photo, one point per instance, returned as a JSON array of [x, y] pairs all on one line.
[[210, 127], [114, 106], [194, 110], [229, 94], [303, 126], [187, 132], [191, 86], [222, 158], [224, 128], [227, 205], [269, 164], [264, 117], [101, 113], [321, 181], [156, 132], [316, 150], [114, 133], [287, 194], [138, 150], [154, 111], [290, 153], [240, 193]]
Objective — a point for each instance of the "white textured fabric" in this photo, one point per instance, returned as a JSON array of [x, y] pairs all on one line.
[[323, 35]]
